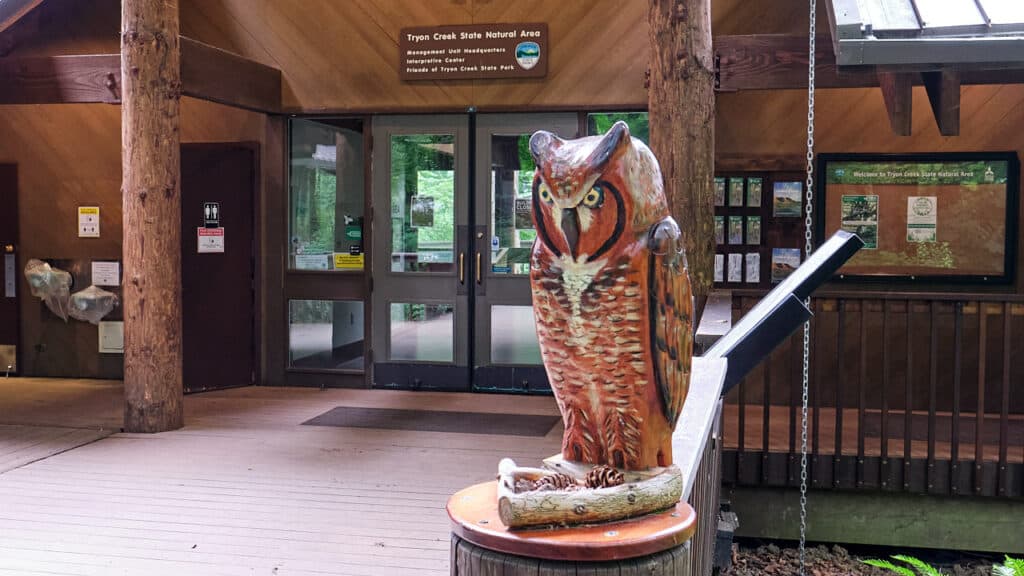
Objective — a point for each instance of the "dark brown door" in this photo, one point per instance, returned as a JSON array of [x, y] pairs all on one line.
[[218, 288], [9, 269]]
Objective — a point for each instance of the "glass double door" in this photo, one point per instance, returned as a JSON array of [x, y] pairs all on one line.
[[452, 230]]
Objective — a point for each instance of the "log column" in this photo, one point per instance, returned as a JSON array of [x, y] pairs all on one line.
[[681, 104], [150, 159]]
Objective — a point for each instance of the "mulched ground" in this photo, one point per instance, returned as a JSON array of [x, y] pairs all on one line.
[[753, 559]]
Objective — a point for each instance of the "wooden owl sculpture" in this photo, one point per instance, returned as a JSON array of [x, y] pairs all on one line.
[[611, 297]]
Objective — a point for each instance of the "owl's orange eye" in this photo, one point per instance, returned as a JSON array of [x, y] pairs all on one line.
[[594, 198], [545, 194]]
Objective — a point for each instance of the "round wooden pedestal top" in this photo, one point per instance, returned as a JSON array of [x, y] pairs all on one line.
[[474, 514]]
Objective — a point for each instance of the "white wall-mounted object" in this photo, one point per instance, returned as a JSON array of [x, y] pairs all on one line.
[[111, 337]]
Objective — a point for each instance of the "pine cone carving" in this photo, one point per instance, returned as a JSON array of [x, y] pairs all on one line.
[[557, 481], [523, 485], [604, 477]]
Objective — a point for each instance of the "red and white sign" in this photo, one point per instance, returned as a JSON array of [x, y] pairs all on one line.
[[211, 240]]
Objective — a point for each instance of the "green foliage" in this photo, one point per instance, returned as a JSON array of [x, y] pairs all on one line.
[[1011, 567], [638, 123], [920, 568]]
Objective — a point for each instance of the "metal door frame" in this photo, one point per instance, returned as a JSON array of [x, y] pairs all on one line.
[[420, 287], [503, 289]]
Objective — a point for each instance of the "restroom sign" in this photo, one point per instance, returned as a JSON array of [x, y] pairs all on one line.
[[211, 214]]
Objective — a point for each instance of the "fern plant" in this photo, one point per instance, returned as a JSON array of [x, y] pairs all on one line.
[[1012, 567], [917, 567]]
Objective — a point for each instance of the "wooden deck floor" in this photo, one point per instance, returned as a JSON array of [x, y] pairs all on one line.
[[244, 488]]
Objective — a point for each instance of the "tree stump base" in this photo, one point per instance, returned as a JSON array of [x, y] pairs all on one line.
[[656, 544]]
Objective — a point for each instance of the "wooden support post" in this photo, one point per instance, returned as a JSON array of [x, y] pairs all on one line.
[[943, 89], [897, 92], [681, 104], [150, 156]]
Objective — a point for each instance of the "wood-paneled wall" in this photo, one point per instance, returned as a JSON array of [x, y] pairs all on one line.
[[70, 156]]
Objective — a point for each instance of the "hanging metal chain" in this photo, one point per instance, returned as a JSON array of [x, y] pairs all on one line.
[[809, 247]]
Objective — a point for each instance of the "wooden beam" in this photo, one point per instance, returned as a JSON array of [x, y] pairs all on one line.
[[897, 93], [207, 73], [779, 62], [12, 10], [943, 89], [151, 197], [213, 74], [60, 79]]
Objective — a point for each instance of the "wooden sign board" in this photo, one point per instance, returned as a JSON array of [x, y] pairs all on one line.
[[476, 51]]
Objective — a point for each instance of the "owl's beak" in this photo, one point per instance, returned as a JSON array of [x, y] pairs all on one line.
[[571, 229]]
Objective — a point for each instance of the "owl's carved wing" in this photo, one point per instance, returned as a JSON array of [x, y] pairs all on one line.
[[671, 314]]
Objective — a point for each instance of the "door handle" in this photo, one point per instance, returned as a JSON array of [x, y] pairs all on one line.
[[478, 272], [462, 267]]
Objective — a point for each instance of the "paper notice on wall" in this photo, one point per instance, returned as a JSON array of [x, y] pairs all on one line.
[[922, 216], [88, 221], [312, 261], [211, 240], [106, 273]]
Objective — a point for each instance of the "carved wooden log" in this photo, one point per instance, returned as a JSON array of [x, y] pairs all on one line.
[[565, 507]]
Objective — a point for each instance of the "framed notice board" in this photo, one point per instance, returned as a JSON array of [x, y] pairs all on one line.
[[923, 217]]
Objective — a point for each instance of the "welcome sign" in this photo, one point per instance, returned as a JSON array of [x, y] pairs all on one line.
[[476, 51]]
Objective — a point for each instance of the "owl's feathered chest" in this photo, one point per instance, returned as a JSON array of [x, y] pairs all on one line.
[[593, 316]]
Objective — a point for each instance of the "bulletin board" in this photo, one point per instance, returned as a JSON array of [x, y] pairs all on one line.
[[923, 218], [759, 227]]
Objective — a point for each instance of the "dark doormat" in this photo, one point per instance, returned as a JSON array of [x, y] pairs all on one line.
[[436, 421]]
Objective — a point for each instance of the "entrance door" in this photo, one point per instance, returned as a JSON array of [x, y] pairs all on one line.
[[451, 295], [506, 356], [9, 322], [218, 288]]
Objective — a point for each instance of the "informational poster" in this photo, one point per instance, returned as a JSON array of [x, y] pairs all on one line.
[[88, 221], [735, 268], [106, 273], [784, 262], [719, 267], [753, 268], [312, 261], [735, 191], [735, 229], [922, 218], [524, 213], [719, 229], [421, 212], [719, 191], [754, 188], [754, 230], [860, 216], [211, 241], [787, 199], [347, 261]]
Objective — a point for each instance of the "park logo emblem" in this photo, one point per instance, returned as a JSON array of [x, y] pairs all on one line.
[[527, 54]]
